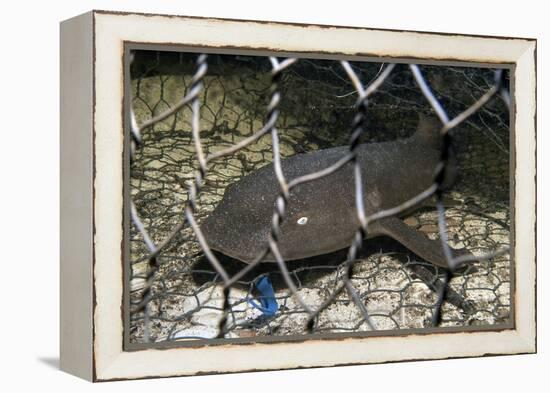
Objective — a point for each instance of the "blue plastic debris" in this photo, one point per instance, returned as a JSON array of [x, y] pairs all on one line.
[[268, 305]]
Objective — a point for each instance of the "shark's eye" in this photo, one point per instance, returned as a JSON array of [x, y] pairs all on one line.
[[302, 221]]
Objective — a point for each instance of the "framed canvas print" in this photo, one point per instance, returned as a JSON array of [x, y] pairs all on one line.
[[244, 195]]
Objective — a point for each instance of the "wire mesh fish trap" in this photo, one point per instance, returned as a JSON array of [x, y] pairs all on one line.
[[200, 124]]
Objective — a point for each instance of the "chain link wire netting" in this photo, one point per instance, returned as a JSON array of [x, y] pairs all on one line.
[[201, 123]]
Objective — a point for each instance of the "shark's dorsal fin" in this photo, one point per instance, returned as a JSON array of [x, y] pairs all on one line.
[[427, 130], [428, 133]]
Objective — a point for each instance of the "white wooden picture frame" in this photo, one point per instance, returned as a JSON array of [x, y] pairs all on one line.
[[93, 48]]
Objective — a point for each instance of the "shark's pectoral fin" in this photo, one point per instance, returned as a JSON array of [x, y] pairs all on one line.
[[414, 240]]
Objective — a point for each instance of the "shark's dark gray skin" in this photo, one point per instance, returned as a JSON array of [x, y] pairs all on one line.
[[321, 215]]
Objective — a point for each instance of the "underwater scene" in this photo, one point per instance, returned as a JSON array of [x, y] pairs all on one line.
[[204, 142]]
